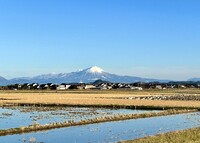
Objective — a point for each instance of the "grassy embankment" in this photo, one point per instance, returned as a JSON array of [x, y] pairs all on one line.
[[184, 136]]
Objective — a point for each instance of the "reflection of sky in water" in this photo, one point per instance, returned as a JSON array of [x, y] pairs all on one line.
[[16, 118], [112, 131]]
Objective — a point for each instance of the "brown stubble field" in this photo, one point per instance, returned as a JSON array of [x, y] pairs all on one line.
[[98, 97]]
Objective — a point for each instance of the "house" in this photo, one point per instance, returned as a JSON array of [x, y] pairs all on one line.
[[19, 86], [136, 88], [158, 86], [34, 86], [90, 86], [61, 87], [53, 86], [77, 86], [81, 86], [182, 86], [105, 86], [67, 86], [43, 86], [25, 86]]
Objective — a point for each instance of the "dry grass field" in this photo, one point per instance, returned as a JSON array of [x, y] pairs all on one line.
[[98, 97], [185, 136]]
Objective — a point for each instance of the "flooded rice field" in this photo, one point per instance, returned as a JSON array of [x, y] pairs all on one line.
[[110, 131], [13, 117]]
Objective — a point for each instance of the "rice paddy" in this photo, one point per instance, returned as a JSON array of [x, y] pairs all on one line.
[[28, 111], [15, 117], [98, 98], [111, 131]]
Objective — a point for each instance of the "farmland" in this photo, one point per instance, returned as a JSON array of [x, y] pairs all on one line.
[[64, 106], [99, 98]]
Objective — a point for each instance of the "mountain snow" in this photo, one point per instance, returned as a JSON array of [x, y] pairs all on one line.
[[95, 69]]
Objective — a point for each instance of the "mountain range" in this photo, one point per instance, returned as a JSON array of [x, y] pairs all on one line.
[[87, 75], [194, 79]]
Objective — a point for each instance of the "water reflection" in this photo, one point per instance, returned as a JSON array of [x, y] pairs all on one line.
[[112, 131], [23, 116]]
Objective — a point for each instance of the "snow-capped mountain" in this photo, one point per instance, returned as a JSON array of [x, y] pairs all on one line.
[[94, 70], [87, 75]]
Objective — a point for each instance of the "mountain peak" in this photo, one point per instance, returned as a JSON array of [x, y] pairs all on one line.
[[95, 69], [2, 78]]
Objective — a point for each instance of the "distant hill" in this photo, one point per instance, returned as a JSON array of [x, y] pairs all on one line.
[[194, 79], [3, 81], [99, 81], [87, 75]]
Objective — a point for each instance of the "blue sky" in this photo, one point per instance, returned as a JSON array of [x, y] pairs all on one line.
[[147, 38]]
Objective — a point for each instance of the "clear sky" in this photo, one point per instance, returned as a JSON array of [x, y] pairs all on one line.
[[146, 38]]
